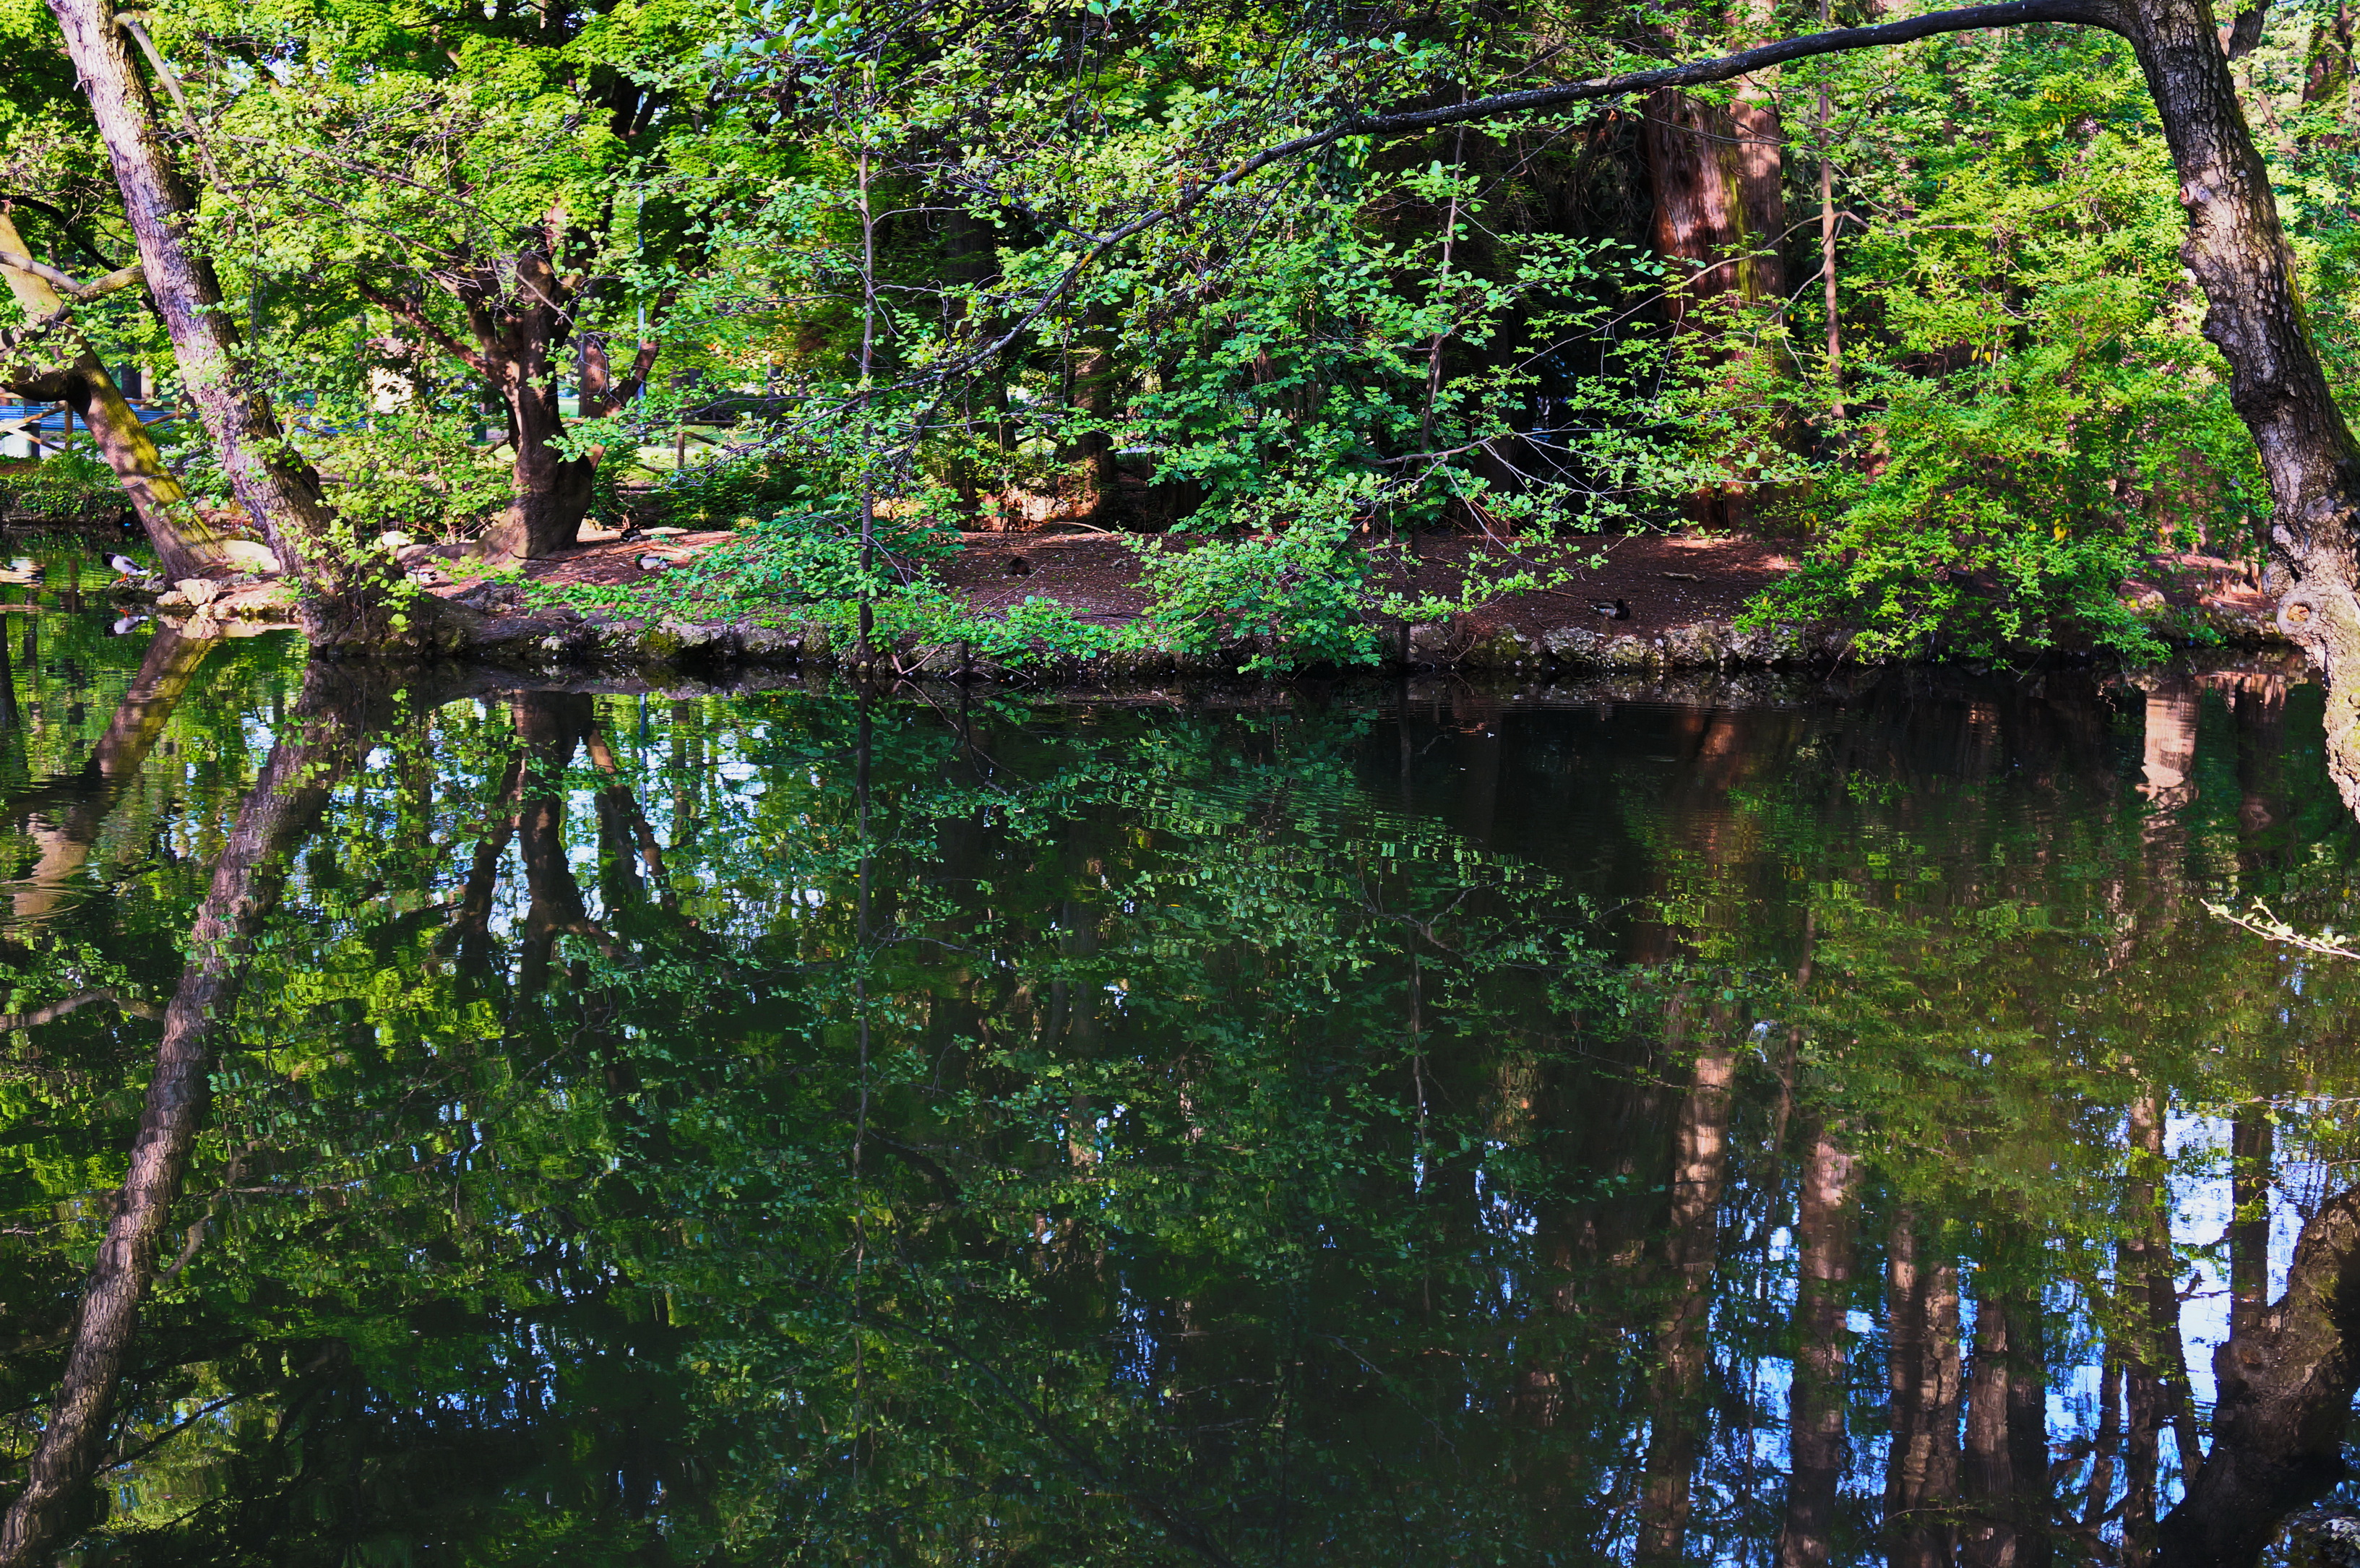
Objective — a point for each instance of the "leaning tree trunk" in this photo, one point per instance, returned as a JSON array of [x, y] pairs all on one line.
[[279, 813], [349, 595], [2239, 257], [186, 544]]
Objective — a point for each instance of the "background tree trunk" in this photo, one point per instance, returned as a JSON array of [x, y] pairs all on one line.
[[1692, 1246], [1921, 1467], [1716, 176], [1816, 1398]]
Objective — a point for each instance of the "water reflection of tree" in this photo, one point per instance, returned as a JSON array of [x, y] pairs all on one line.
[[247, 876], [1992, 1033], [1174, 1237]]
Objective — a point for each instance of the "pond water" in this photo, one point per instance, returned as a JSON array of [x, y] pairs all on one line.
[[1759, 1121]]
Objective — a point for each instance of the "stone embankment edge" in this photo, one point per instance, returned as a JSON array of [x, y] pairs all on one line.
[[560, 637], [1704, 644]]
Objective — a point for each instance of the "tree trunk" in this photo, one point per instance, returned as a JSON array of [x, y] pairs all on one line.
[[350, 595], [549, 494], [1691, 1245], [2261, 767], [2145, 1403], [2327, 68], [1760, 169], [1716, 176], [186, 544], [2239, 257], [1698, 174], [1921, 1467], [65, 818], [1815, 1397], [516, 349], [2010, 1503], [285, 802], [2252, 1153], [550, 726], [2286, 1389], [1094, 395], [2147, 1268]]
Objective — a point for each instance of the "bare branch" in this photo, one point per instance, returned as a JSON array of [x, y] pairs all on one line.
[[408, 310]]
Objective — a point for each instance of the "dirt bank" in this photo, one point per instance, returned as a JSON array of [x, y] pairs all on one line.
[[1643, 603]]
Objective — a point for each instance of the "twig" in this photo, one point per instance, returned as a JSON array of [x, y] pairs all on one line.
[[2265, 924]]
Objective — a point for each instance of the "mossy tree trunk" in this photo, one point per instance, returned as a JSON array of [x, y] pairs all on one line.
[[186, 543]]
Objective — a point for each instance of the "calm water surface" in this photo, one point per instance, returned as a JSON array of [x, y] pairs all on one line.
[[1356, 1125]]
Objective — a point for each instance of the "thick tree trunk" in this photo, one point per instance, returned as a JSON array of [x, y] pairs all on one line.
[[186, 544], [1696, 168], [2286, 1389], [1923, 1371], [277, 813], [516, 350], [2005, 1473], [1692, 1246], [1761, 166], [349, 594], [1716, 176], [549, 494], [2239, 255], [550, 726], [2147, 1268], [1815, 1397]]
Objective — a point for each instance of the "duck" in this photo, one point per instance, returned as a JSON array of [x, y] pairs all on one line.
[[125, 625], [1612, 609], [125, 567]]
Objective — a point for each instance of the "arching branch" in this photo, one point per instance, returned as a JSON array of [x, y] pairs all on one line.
[[1534, 100]]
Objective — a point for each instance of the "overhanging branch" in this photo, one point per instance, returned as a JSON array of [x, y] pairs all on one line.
[[1534, 100], [1700, 73]]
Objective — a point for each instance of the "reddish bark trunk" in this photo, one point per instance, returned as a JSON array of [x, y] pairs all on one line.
[[1815, 1397], [1691, 1245], [1923, 1372], [1718, 181]]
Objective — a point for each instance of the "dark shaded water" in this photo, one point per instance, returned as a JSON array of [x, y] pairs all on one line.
[[1354, 1125]]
